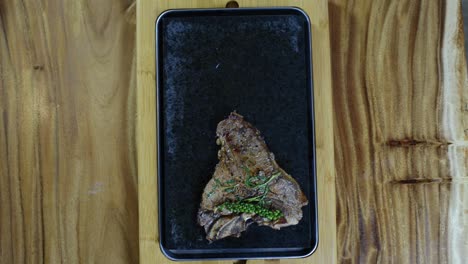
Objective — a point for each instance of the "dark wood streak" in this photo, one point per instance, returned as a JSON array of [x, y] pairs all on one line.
[[394, 176], [421, 181], [414, 142]]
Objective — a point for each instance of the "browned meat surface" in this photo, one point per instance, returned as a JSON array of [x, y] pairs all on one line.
[[247, 185]]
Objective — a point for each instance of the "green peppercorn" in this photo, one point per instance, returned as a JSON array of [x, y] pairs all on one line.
[[251, 208]]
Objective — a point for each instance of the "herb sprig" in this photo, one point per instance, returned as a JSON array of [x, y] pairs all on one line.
[[256, 204], [228, 186], [262, 186]]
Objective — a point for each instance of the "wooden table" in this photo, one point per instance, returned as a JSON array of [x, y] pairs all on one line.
[[148, 11], [69, 169]]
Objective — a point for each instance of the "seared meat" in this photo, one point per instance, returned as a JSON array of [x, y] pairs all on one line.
[[247, 185]]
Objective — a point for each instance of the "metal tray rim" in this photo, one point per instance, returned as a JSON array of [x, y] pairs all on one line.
[[164, 250]]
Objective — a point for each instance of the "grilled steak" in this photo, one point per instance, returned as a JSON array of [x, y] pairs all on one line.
[[247, 186]]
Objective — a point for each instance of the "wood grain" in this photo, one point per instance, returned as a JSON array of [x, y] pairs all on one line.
[[68, 169], [399, 97], [147, 12], [68, 182]]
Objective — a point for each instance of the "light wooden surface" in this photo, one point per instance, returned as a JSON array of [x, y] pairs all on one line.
[[147, 12], [68, 186], [400, 99], [68, 182]]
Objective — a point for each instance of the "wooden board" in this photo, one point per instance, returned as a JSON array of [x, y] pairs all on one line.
[[68, 183], [400, 98], [68, 166], [147, 12]]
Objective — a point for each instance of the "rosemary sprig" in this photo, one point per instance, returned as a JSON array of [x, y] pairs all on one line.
[[231, 187], [263, 187]]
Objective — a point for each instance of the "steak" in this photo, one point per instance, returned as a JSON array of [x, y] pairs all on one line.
[[247, 186]]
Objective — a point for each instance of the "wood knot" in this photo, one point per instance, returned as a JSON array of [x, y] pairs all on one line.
[[38, 67]]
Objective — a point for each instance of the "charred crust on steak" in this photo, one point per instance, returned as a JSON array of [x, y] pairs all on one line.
[[247, 185]]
